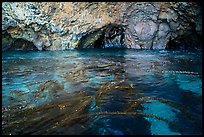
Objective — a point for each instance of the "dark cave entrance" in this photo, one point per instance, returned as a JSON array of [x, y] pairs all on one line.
[[109, 36], [21, 44]]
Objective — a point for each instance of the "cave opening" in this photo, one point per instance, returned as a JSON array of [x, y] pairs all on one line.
[[109, 36], [22, 44], [186, 42]]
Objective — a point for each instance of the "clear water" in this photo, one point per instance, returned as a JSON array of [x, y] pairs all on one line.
[[106, 92]]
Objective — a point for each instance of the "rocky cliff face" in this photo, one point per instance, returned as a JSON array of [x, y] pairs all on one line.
[[67, 25]]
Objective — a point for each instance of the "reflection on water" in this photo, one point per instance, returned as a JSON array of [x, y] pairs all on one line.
[[114, 92]]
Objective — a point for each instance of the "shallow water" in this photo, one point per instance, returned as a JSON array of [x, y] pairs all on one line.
[[116, 92]]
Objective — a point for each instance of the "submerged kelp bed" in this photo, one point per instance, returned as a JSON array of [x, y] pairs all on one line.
[[102, 92]]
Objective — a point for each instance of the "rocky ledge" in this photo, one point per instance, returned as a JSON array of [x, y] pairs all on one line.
[[69, 25]]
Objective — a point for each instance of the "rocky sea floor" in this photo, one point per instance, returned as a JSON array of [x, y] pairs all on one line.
[[106, 92]]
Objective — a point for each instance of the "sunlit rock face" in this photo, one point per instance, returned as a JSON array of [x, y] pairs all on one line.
[[60, 26], [150, 25]]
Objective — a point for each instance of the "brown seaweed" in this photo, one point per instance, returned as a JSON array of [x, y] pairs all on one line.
[[68, 109]]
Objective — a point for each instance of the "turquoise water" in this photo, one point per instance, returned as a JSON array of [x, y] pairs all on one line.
[[106, 92]]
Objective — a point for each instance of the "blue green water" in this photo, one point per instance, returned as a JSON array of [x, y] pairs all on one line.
[[106, 92]]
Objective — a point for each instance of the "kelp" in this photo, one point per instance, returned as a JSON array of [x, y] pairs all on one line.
[[47, 118], [46, 114], [174, 72], [61, 109], [104, 89]]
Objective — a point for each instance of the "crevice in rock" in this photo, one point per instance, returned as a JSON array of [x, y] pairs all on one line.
[[109, 36]]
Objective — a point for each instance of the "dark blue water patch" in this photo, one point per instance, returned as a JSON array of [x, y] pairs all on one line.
[[106, 91], [185, 126], [110, 125]]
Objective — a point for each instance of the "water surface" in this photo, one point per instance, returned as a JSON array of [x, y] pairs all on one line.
[[106, 92]]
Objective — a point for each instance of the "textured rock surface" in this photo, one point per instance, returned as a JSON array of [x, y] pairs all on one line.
[[61, 25], [109, 36]]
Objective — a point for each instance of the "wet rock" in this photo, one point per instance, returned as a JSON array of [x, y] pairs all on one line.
[[65, 43], [162, 36], [38, 43], [89, 40], [8, 22], [169, 15], [111, 35], [142, 23], [56, 44], [174, 25], [145, 30], [74, 38], [7, 41]]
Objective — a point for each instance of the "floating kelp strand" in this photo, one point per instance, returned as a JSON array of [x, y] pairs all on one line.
[[51, 86], [126, 91], [137, 102], [189, 83], [40, 82], [123, 113], [14, 72], [173, 72], [40, 122], [179, 107], [95, 67], [65, 119], [133, 105], [17, 92], [100, 94], [80, 117], [39, 108], [167, 112]]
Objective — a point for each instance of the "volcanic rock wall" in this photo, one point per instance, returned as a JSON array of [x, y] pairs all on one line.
[[61, 25]]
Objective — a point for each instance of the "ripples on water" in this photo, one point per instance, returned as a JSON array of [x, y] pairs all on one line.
[[102, 92]]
